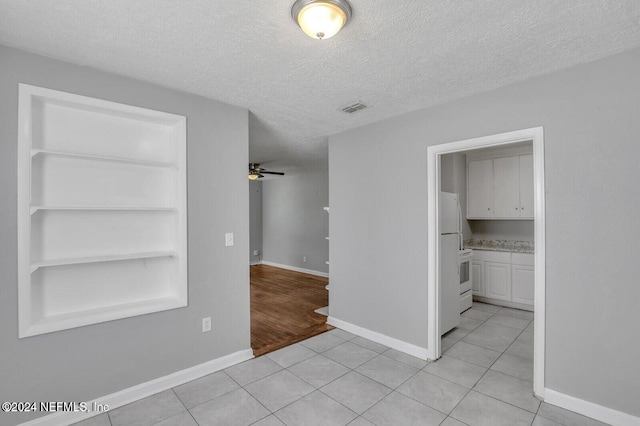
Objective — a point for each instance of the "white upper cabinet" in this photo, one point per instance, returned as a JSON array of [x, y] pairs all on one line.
[[500, 187], [480, 189], [526, 186], [506, 175]]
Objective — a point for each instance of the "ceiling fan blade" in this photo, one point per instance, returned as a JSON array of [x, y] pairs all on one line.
[[272, 173]]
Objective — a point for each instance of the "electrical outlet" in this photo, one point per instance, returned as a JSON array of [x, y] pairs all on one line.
[[304, 259], [256, 252], [206, 324], [228, 239]]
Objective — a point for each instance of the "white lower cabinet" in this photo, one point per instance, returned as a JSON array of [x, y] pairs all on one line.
[[522, 284], [498, 280], [477, 274], [504, 278]]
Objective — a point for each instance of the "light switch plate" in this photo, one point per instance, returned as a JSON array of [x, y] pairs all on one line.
[[206, 324], [228, 239]]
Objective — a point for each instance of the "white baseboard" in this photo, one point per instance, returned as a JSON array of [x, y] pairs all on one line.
[[295, 268], [143, 390], [589, 409], [505, 303], [396, 344]]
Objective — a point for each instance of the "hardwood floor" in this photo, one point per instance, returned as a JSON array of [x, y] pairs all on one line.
[[282, 307]]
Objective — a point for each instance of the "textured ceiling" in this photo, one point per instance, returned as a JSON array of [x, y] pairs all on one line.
[[396, 56]]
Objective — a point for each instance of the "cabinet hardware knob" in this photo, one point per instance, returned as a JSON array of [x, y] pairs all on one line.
[[516, 208], [488, 208]]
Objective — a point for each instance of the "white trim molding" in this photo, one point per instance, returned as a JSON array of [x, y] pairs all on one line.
[[143, 390], [374, 336], [295, 268], [589, 409], [434, 152]]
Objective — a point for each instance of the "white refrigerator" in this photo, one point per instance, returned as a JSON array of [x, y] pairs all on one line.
[[450, 237]]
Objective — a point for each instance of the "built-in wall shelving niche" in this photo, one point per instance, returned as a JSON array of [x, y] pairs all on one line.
[[102, 214]]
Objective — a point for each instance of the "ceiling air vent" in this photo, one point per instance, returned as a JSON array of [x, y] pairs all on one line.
[[354, 107]]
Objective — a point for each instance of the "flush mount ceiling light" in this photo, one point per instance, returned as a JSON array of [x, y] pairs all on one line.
[[321, 19]]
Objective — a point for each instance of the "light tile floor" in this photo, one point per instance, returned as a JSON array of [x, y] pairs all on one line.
[[483, 378]]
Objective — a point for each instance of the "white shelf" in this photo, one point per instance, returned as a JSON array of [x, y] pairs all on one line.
[[35, 152], [96, 259], [107, 313], [35, 209], [65, 181], [102, 211], [153, 303]]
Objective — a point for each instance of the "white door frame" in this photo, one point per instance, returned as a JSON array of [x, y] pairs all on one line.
[[433, 185]]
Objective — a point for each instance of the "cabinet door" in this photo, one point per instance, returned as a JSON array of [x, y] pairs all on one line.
[[477, 277], [497, 280], [480, 189], [506, 187], [526, 186], [522, 284]]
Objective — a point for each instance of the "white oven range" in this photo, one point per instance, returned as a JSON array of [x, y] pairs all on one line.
[[464, 259]]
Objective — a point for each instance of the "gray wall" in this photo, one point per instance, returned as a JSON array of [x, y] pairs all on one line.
[[294, 222], [88, 362], [591, 125], [255, 220]]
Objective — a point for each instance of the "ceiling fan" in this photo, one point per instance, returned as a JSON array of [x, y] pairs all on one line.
[[256, 172]]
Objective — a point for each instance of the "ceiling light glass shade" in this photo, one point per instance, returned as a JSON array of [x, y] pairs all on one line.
[[321, 19], [253, 176]]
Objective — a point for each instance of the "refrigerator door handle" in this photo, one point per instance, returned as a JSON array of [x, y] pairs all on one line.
[[460, 227]]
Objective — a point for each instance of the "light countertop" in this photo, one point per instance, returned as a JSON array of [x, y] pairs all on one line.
[[500, 245]]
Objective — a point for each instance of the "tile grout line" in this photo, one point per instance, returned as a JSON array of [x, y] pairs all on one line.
[[489, 368], [194, 419], [353, 370], [295, 375], [378, 354], [477, 381], [350, 369], [181, 402]]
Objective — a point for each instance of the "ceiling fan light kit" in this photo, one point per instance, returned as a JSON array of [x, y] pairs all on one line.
[[256, 172], [321, 19]]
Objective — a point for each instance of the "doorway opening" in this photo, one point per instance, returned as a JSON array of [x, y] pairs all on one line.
[[285, 299], [283, 307], [434, 154]]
